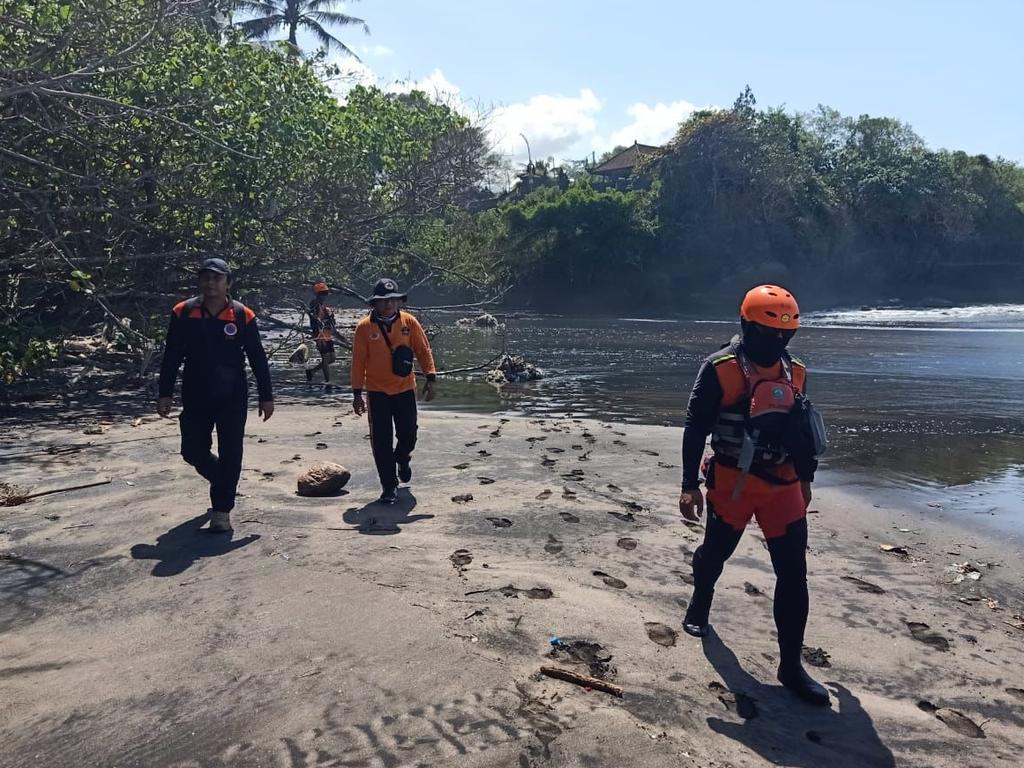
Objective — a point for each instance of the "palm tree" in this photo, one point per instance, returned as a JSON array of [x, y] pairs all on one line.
[[316, 16]]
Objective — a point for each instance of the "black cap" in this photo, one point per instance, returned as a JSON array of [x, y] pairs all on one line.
[[386, 288], [215, 265]]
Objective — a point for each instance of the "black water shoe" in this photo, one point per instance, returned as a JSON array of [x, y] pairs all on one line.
[[404, 471], [796, 679], [389, 496], [695, 622]]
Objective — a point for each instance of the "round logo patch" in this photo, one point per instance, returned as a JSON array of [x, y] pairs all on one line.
[[230, 329], [389, 285], [778, 393], [785, 318], [374, 336]]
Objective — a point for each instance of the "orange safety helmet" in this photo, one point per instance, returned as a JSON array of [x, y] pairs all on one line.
[[321, 288], [771, 306]]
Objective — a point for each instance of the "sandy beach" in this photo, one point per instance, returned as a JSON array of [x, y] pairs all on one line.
[[336, 632]]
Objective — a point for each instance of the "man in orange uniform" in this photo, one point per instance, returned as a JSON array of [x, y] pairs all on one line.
[[744, 397], [382, 364], [321, 327]]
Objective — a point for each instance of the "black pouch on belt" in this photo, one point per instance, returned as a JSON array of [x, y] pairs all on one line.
[[401, 356]]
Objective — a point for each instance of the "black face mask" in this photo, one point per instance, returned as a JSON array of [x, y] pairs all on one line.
[[764, 345]]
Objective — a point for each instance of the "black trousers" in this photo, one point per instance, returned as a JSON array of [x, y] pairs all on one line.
[[391, 416], [197, 422], [789, 560]]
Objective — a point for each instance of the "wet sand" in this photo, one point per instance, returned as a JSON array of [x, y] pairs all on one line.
[[335, 632]]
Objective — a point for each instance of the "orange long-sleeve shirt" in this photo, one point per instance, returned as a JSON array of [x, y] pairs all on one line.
[[371, 356]]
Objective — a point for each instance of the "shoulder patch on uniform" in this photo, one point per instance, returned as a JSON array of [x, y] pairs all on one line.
[[797, 361], [718, 359]]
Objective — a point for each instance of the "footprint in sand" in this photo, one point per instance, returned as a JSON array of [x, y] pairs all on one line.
[[470, 445], [556, 450], [739, 703], [545, 494], [460, 559], [649, 452], [660, 634], [627, 543], [619, 442], [613, 487], [485, 480], [496, 433], [626, 517], [611, 581], [923, 634], [954, 719], [864, 586], [546, 462], [461, 466], [568, 517], [500, 522], [534, 593], [816, 657], [554, 546], [462, 498], [751, 590], [483, 454], [685, 576], [1016, 693]]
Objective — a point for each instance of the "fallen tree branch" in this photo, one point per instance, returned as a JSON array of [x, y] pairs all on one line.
[[13, 498], [582, 680]]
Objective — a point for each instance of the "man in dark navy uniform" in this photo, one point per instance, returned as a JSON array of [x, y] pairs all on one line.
[[213, 335]]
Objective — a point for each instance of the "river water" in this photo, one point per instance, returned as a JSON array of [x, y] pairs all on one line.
[[925, 402]]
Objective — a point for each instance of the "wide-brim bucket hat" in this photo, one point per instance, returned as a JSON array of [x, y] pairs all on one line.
[[386, 288]]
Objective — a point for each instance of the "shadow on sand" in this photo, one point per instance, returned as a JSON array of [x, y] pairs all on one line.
[[786, 731], [184, 545], [376, 519]]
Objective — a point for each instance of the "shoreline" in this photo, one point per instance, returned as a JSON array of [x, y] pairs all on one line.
[[358, 634]]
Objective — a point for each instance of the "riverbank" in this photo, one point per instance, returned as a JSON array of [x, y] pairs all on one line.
[[337, 632]]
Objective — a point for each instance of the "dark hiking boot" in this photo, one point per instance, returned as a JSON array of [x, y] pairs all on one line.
[[389, 496], [796, 679], [404, 471]]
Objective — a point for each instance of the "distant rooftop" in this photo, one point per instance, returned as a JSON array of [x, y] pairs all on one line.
[[625, 160]]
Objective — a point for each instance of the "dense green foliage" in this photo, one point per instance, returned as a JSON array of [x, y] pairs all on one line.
[[133, 142], [848, 209], [137, 137]]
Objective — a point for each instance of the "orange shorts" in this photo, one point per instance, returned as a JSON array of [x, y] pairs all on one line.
[[774, 506]]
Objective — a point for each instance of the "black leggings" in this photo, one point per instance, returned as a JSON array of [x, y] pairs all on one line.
[[391, 416], [789, 559]]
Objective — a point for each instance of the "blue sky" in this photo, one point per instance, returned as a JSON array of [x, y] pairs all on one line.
[[578, 76]]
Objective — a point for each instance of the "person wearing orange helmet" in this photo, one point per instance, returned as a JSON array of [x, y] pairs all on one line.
[[749, 396], [321, 327]]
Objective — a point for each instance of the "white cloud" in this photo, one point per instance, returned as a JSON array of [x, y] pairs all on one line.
[[374, 50], [436, 86], [552, 124], [651, 125]]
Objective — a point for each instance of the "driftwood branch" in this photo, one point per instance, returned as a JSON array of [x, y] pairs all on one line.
[[14, 499], [582, 680]]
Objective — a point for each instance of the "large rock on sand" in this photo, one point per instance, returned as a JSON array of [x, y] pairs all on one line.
[[323, 479]]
